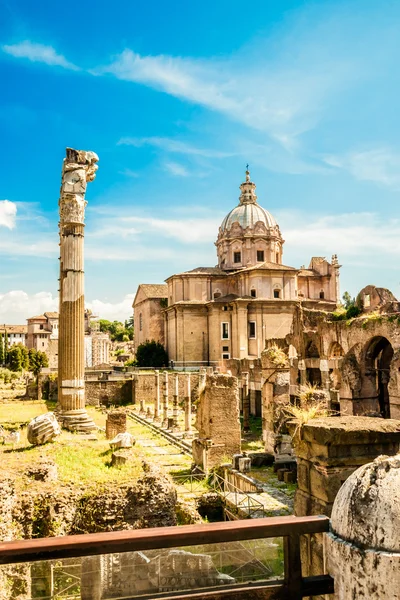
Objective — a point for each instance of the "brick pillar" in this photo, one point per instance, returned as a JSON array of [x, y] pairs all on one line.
[[246, 402], [188, 406], [328, 452], [115, 423]]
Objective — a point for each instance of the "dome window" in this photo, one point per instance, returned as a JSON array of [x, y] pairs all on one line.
[[253, 293], [260, 255], [237, 257]]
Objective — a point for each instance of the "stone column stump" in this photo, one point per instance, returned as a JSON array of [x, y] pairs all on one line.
[[115, 423]]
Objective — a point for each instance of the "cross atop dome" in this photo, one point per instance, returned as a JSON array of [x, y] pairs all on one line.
[[248, 189]]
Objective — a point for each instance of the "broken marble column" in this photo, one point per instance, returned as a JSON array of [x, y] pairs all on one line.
[[157, 418], [188, 407], [42, 429], [79, 167], [165, 402], [175, 424]]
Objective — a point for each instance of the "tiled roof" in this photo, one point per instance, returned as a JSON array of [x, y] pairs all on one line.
[[42, 317], [205, 271], [269, 266], [14, 328], [51, 315], [154, 290]]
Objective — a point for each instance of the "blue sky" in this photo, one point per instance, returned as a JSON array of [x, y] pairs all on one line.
[[176, 98]]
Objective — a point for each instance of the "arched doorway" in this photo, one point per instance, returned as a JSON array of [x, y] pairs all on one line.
[[378, 357]]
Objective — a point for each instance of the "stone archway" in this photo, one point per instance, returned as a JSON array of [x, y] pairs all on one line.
[[378, 359]]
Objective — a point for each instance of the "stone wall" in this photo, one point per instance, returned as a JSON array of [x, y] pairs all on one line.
[[108, 392], [357, 360]]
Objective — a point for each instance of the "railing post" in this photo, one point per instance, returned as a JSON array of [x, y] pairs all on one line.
[[293, 576]]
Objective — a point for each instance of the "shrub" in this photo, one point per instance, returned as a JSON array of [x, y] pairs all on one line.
[[151, 354]]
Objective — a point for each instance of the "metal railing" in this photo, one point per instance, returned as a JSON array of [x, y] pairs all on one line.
[[293, 585]]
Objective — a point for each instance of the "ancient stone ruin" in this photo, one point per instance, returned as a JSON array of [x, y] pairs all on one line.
[[136, 573], [363, 550], [79, 167], [217, 422], [115, 423], [43, 428]]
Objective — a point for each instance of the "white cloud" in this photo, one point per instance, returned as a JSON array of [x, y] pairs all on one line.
[[189, 231], [366, 238], [174, 146], [112, 311], [380, 165], [16, 306], [176, 169], [38, 53], [8, 214]]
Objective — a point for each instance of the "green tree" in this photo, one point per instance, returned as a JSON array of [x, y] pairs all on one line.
[[151, 354], [118, 331], [37, 361], [348, 300], [15, 359]]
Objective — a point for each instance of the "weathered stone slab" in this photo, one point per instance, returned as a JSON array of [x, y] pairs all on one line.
[[123, 440]]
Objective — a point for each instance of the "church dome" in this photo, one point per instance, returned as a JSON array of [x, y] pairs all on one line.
[[248, 212], [247, 215]]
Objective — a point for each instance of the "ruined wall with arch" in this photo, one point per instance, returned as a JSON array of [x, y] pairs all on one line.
[[357, 360]]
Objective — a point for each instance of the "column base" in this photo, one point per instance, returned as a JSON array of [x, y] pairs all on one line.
[[78, 421]]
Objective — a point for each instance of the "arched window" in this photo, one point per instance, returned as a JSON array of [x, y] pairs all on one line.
[[322, 294], [140, 322], [253, 293]]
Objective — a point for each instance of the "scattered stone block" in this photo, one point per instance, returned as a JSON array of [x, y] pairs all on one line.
[[42, 429], [289, 477], [261, 459], [244, 464], [123, 440], [121, 457]]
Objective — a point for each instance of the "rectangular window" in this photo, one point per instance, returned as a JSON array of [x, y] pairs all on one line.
[[237, 257], [225, 331], [277, 293], [253, 293], [225, 348], [40, 326], [260, 255], [252, 329], [226, 356]]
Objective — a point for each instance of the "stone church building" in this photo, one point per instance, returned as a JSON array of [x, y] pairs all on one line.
[[228, 311]]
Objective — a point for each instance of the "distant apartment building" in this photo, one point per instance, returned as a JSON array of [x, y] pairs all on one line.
[[43, 335], [16, 334]]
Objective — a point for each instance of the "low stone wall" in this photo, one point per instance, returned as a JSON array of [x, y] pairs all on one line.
[[108, 392], [239, 481]]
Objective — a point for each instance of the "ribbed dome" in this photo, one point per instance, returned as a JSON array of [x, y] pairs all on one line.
[[247, 215]]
